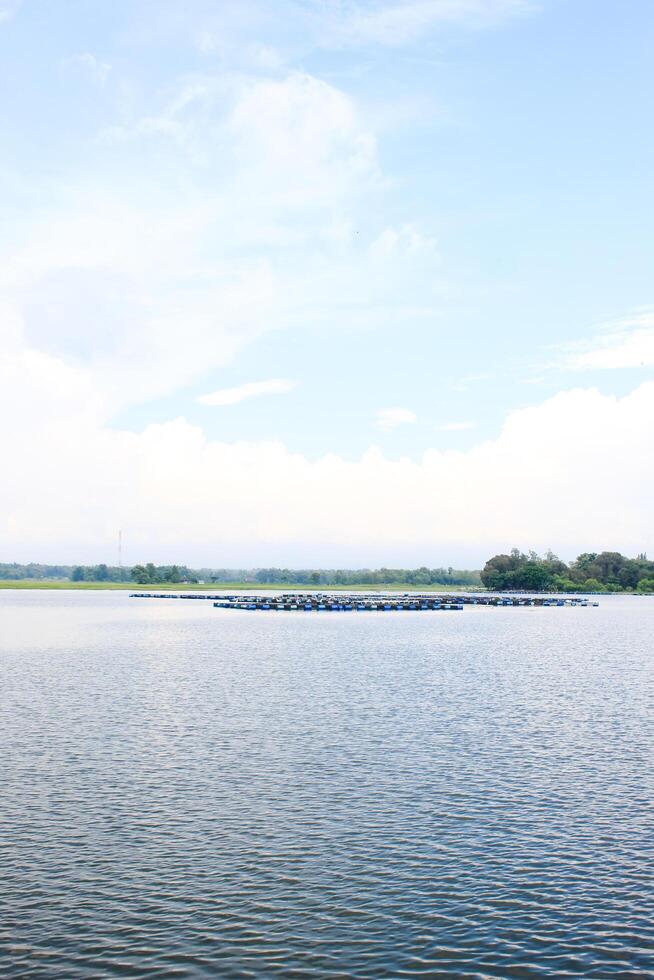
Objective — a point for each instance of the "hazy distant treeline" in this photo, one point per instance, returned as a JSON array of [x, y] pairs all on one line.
[[368, 576], [113, 573], [606, 571], [151, 574], [75, 573]]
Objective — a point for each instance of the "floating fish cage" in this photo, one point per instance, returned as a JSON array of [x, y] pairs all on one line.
[[333, 604], [365, 602], [319, 602]]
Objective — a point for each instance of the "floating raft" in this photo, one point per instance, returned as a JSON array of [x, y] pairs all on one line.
[[328, 602], [314, 603], [364, 602]]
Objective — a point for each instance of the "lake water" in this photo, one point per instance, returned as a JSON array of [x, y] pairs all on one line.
[[194, 792]]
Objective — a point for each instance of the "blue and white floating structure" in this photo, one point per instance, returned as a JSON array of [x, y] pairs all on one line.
[[366, 602]]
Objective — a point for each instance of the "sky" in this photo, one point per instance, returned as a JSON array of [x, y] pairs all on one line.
[[325, 283]]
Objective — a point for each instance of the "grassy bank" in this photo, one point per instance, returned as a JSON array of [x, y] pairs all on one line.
[[33, 583], [227, 586]]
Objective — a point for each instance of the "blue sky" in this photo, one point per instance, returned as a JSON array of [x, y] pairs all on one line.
[[414, 236]]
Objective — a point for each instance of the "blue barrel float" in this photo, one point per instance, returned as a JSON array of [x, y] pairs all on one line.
[[368, 602]]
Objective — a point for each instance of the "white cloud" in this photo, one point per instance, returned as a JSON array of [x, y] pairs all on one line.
[[255, 55], [230, 207], [232, 33], [302, 139], [244, 392], [123, 293], [455, 426], [394, 24], [288, 142], [390, 418], [406, 239], [90, 65], [151, 281], [624, 343], [551, 477], [264, 56], [8, 8]]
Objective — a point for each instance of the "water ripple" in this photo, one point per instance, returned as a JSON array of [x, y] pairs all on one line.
[[191, 793]]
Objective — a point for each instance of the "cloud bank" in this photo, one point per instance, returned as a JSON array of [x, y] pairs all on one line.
[[625, 343], [395, 24], [575, 471], [390, 418], [233, 201], [455, 426], [242, 393]]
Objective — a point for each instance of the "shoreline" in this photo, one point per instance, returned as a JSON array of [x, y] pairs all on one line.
[[394, 587], [231, 586]]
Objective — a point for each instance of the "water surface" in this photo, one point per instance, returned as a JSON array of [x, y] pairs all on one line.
[[193, 792]]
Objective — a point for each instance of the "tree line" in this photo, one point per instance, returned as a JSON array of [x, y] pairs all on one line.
[[151, 574], [606, 571], [74, 573], [368, 576], [316, 577]]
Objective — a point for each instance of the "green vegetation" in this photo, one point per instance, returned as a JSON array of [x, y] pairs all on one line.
[[374, 578], [165, 576], [608, 571], [63, 573], [203, 587], [35, 583], [106, 576]]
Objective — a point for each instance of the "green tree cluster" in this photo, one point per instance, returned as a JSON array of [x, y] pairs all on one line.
[[98, 573], [76, 573], [367, 576], [33, 570], [590, 572], [607, 571], [152, 574]]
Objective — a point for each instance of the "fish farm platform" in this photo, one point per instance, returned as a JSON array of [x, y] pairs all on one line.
[[364, 602]]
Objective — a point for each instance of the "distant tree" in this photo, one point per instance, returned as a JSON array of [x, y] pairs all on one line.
[[629, 574], [608, 567], [499, 571], [563, 584], [150, 574], [525, 572], [645, 568], [646, 585], [534, 576], [580, 569]]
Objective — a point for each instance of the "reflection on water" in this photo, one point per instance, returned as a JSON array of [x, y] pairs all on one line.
[[194, 792]]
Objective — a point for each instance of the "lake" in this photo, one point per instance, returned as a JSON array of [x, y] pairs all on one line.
[[194, 792]]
